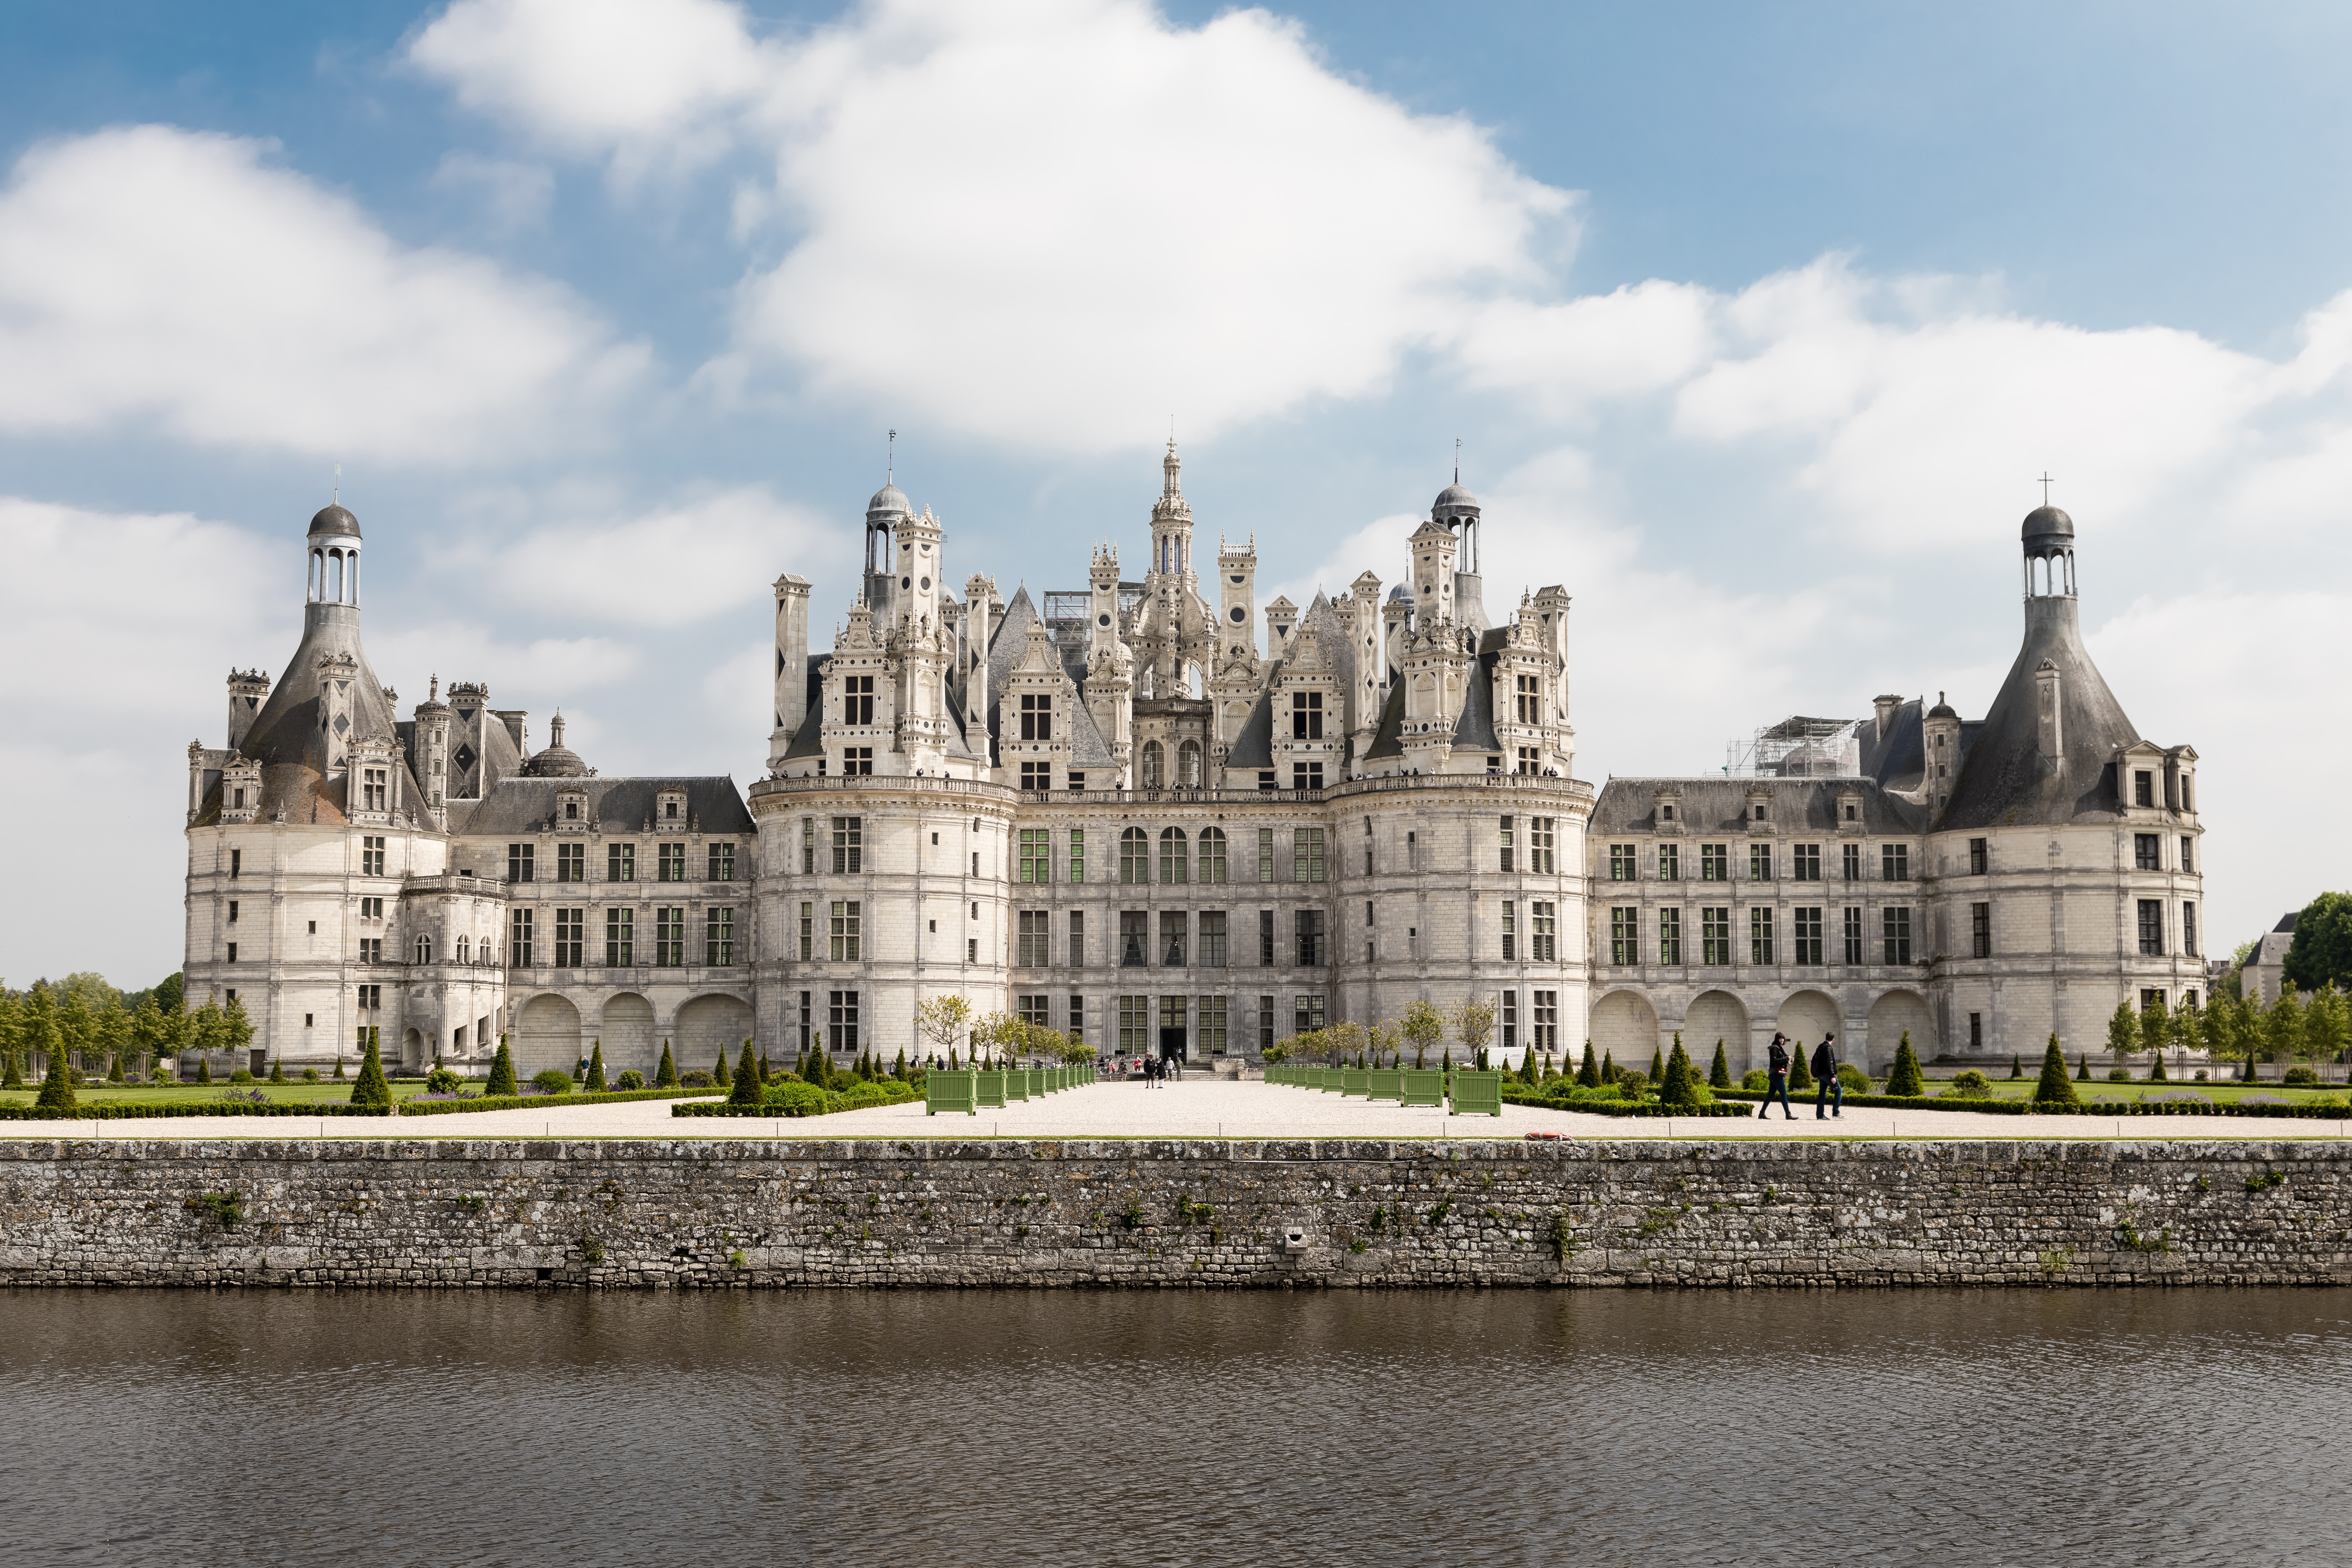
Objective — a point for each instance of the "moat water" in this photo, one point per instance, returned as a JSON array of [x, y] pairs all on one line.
[[1948, 1427]]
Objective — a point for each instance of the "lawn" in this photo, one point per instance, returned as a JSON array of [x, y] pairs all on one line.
[[327, 1092]]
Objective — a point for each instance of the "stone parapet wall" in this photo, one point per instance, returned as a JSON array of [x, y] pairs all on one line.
[[1161, 1214]]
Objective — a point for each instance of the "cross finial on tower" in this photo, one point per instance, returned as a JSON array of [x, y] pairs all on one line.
[[1457, 460], [890, 459], [335, 498], [2045, 487]]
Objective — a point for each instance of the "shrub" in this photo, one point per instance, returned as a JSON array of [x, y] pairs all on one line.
[[11, 1076], [666, 1075], [309, 1075], [554, 1080], [1906, 1078], [746, 1089], [2119, 1075], [596, 1080], [1589, 1075], [1719, 1075], [1801, 1075], [1680, 1088], [2300, 1077], [2055, 1087], [1658, 1067], [632, 1079], [277, 1071], [204, 1070], [241, 1075], [1755, 1078], [722, 1073], [698, 1079], [2083, 1067], [339, 1065], [796, 1099], [1856, 1081], [2203, 1075], [56, 1089], [2156, 1073], [114, 1069], [1972, 1085], [502, 1073], [370, 1087], [442, 1081]]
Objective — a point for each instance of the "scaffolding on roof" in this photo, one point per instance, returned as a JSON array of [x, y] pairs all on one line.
[[1798, 748]]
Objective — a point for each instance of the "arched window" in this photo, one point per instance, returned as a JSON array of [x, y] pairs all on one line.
[[1212, 854], [1188, 764], [1134, 856], [424, 949], [1155, 765], [1173, 866]]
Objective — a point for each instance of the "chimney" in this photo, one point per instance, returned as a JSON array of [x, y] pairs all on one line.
[[791, 664], [247, 689], [1887, 707], [2050, 730]]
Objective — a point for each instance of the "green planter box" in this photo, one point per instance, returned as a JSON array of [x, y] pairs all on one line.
[[1016, 1084], [1384, 1083], [1357, 1081], [945, 1090], [1420, 1085], [1277, 1074], [1331, 1080], [988, 1088], [1477, 1093]]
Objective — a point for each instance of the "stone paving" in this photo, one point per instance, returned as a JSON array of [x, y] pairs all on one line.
[[1196, 1109]]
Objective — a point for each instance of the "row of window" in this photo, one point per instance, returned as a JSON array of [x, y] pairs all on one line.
[[566, 943], [1805, 860], [1805, 944], [621, 862]]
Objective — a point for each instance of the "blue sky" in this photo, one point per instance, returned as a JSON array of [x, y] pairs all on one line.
[[1757, 324]]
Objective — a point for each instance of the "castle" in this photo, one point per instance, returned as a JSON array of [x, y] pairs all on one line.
[[1115, 811]]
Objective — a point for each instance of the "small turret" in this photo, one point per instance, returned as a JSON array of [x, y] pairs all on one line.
[[248, 690]]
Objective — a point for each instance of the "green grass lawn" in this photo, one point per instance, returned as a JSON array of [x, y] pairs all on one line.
[[329, 1092]]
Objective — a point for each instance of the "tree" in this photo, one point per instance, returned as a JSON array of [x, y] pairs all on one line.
[[1529, 1073], [1801, 1076], [2322, 949], [596, 1067], [1906, 1078], [57, 1095], [1608, 1064], [1473, 1018], [746, 1089], [502, 1073], [1424, 1027], [12, 1075], [2082, 1067], [204, 1035], [899, 1068], [2055, 1088], [114, 1069], [666, 1075], [170, 994], [997, 1035], [1384, 1037], [1589, 1075], [2325, 1024], [2154, 1026], [369, 1087], [1657, 1066], [2016, 1066], [2122, 1032], [1679, 1086], [1344, 1039], [151, 1029], [2283, 1025], [942, 1020], [722, 1073]]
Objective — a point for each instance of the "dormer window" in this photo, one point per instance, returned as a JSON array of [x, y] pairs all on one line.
[[1666, 812], [571, 811], [1760, 813], [670, 810], [1036, 716], [1851, 812], [2144, 788]]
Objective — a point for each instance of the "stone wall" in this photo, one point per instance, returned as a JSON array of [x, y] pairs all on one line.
[[707, 1213]]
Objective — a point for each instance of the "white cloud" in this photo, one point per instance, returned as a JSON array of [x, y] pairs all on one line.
[[511, 195], [152, 274], [1052, 224]]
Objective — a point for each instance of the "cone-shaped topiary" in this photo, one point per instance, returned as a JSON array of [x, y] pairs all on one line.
[[502, 1078], [277, 1071], [596, 1080], [370, 1088], [898, 1069], [1657, 1066], [763, 1067], [1445, 1060], [339, 1065], [2156, 1073], [1906, 1078], [2055, 1087], [2082, 1069], [1589, 1075], [1527, 1071], [1680, 1086], [12, 1076], [666, 1075], [722, 1073], [114, 1072], [1801, 1077], [2017, 1067], [204, 1070], [57, 1095], [1608, 1068], [1718, 1074], [746, 1089]]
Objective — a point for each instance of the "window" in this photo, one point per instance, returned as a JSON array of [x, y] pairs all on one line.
[[1621, 863], [1714, 862], [1670, 936], [1078, 1030], [1895, 862], [1715, 936], [2151, 999], [1980, 930], [2188, 856], [1979, 856], [1188, 764], [370, 908], [2189, 929], [1308, 927], [1539, 844], [370, 998], [843, 931], [370, 950], [1895, 932], [1805, 863], [858, 699], [572, 862], [718, 936], [672, 865], [669, 938], [1265, 1022], [807, 1022], [1135, 1026], [2151, 926], [1307, 1012], [972, 950], [1212, 1025], [1758, 813], [1807, 936], [1760, 936], [1510, 928], [1528, 759], [1853, 862], [373, 791], [1526, 700], [237, 860], [1032, 938], [1853, 936], [1077, 853], [2146, 852], [1542, 937], [571, 938], [1212, 939], [1307, 775], [1036, 717], [519, 862], [620, 862], [1174, 862], [423, 952], [1507, 841], [1036, 860], [808, 845], [519, 938], [1624, 936], [1154, 764], [2143, 789], [1670, 863], [1078, 939], [1546, 1021], [1266, 778], [1134, 856], [856, 762], [2185, 806], [1265, 939], [1213, 854], [848, 845], [1305, 715], [807, 930], [424, 949], [841, 1022], [232, 912], [1759, 862], [1036, 1011], [1510, 1019], [1134, 933], [1976, 1031], [1266, 854], [465, 950], [669, 809], [1307, 854], [722, 862], [1036, 776], [1172, 924]]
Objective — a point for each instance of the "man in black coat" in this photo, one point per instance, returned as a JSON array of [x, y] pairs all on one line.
[[1777, 1065], [1831, 1093]]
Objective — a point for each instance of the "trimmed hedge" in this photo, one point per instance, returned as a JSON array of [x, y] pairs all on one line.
[[2315, 1110], [148, 1112], [1602, 1106], [532, 1101], [796, 1099]]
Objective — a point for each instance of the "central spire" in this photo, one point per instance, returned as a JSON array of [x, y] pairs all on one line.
[[1169, 467]]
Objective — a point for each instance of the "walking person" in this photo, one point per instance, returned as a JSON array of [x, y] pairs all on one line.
[[1831, 1092], [1777, 1065]]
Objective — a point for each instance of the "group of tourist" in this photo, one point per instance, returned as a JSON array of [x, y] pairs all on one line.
[[1829, 1098]]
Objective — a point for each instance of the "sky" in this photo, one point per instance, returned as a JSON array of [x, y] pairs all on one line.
[[1758, 328]]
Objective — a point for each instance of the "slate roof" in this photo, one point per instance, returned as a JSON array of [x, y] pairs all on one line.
[[1253, 747], [1474, 730], [617, 805], [1714, 804], [2003, 778]]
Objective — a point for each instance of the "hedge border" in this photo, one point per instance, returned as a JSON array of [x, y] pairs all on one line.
[[149, 1113], [537, 1101], [2313, 1111], [774, 1112]]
